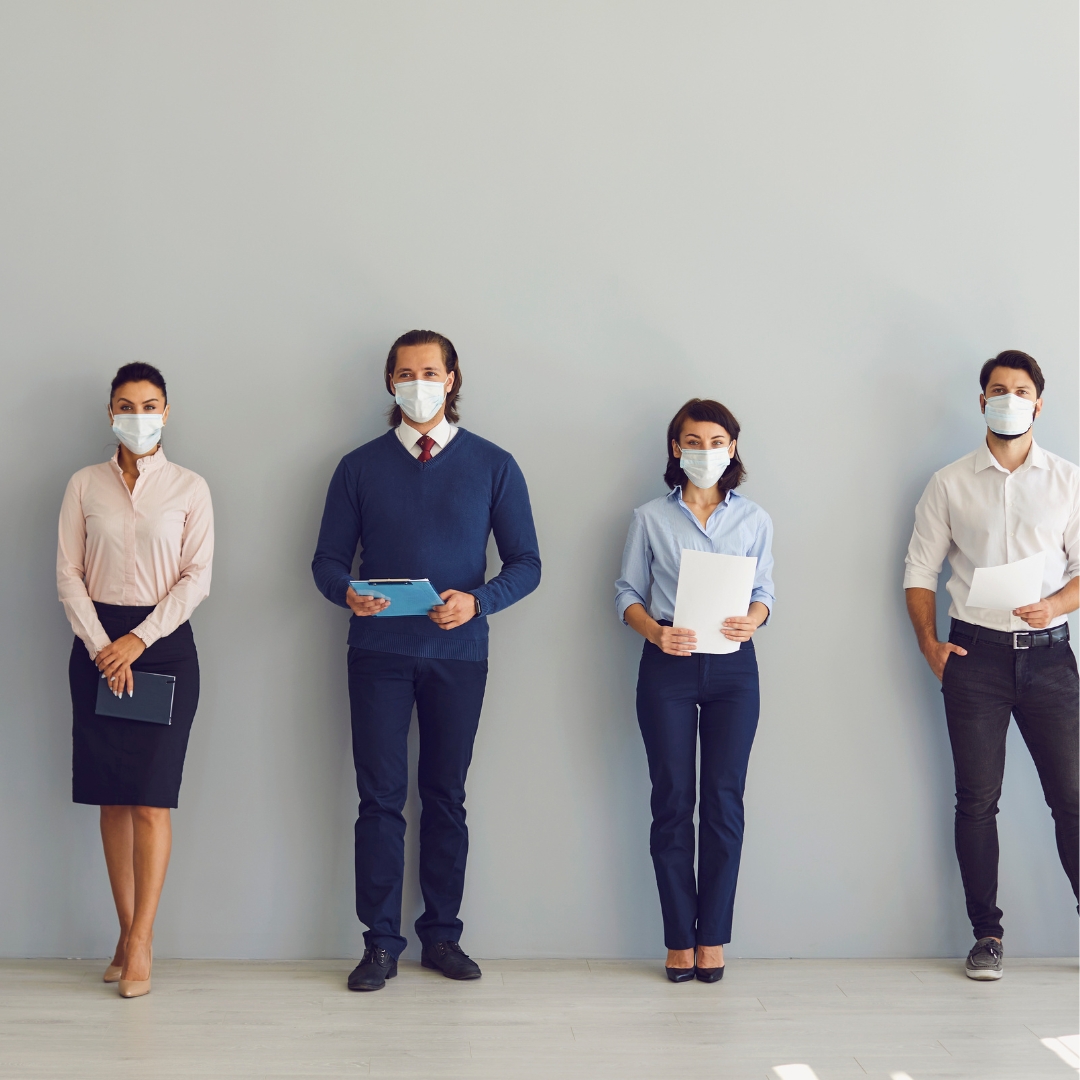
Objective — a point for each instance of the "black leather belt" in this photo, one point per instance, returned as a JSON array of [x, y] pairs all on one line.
[[1016, 639]]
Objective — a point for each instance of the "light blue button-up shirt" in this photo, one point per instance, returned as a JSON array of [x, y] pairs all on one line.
[[661, 529]]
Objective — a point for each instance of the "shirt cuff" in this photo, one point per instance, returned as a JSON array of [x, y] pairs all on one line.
[[95, 646], [759, 596], [627, 600], [145, 634], [920, 579]]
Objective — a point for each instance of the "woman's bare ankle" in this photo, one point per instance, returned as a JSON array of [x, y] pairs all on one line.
[[710, 956], [680, 958], [137, 958], [120, 951]]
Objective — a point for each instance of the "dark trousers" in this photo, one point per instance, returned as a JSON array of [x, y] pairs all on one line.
[[448, 695], [681, 700], [1039, 687]]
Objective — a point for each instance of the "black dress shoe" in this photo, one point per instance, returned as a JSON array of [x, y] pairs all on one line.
[[373, 970], [680, 974], [447, 957], [711, 974]]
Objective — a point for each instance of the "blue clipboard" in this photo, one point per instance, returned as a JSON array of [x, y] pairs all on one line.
[[407, 596]]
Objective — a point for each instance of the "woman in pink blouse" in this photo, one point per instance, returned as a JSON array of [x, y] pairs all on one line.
[[133, 563]]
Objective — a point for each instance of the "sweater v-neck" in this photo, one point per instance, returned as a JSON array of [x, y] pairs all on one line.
[[422, 465], [411, 524]]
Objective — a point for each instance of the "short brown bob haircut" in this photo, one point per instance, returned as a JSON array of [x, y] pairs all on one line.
[[1019, 361], [450, 360], [713, 412]]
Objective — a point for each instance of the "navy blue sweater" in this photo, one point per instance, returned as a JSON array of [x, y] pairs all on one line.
[[429, 520]]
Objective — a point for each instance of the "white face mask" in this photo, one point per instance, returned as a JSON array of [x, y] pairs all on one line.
[[1008, 414], [705, 467], [139, 432], [420, 399]]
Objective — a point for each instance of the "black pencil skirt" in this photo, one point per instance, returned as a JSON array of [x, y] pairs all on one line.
[[117, 762]]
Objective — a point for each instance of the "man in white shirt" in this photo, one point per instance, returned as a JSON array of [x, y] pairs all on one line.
[[1008, 500]]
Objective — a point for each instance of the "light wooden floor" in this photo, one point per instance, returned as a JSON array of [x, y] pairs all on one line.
[[558, 1019]]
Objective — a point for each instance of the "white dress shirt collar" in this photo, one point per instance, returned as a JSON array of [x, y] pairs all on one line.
[[442, 433], [984, 459]]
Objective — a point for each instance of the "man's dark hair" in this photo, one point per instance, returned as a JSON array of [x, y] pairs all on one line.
[[450, 360], [1020, 361], [139, 372], [704, 410]]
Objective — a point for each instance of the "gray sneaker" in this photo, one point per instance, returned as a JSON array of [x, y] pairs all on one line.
[[984, 960]]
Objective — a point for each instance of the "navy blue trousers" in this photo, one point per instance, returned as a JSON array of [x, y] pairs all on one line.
[[448, 695], [682, 700]]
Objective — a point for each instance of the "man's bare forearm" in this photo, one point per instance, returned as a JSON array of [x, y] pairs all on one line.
[[922, 610], [1067, 598]]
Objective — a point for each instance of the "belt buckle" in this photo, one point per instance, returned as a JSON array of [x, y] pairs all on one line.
[[1017, 634]]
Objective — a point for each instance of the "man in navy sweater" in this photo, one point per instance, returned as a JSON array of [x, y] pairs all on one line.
[[420, 501]]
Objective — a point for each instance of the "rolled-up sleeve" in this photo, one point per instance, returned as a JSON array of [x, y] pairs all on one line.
[[1072, 537], [930, 539], [196, 560], [633, 584], [71, 572], [763, 592]]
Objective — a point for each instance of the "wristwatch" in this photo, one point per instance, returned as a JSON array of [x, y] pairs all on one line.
[[476, 600]]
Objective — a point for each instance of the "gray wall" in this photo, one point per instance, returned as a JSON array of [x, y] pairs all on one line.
[[826, 215]]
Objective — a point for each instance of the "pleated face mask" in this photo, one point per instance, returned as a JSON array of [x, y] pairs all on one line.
[[705, 467], [420, 399], [139, 432], [1008, 414]]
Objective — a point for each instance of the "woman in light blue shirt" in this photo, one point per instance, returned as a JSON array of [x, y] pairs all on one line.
[[683, 696]]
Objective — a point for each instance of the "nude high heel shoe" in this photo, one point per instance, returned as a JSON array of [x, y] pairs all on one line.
[[112, 973], [132, 988]]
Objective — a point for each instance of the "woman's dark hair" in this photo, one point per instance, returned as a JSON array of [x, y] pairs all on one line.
[[139, 372], [450, 360], [712, 412], [1020, 361]]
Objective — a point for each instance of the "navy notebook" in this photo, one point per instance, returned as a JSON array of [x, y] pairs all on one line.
[[152, 700]]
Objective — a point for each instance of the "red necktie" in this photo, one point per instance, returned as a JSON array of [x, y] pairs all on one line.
[[425, 442]]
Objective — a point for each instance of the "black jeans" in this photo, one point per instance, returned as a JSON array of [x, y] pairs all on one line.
[[1039, 687]]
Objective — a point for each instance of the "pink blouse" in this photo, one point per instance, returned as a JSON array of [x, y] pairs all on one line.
[[153, 545]]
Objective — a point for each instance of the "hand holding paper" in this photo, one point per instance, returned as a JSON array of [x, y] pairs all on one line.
[[1038, 616], [1003, 588], [711, 588]]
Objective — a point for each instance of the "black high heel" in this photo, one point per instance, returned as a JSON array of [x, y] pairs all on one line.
[[681, 974], [710, 975]]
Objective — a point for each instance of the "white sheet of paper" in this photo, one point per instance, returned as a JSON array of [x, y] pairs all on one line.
[[712, 588], [1002, 588]]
